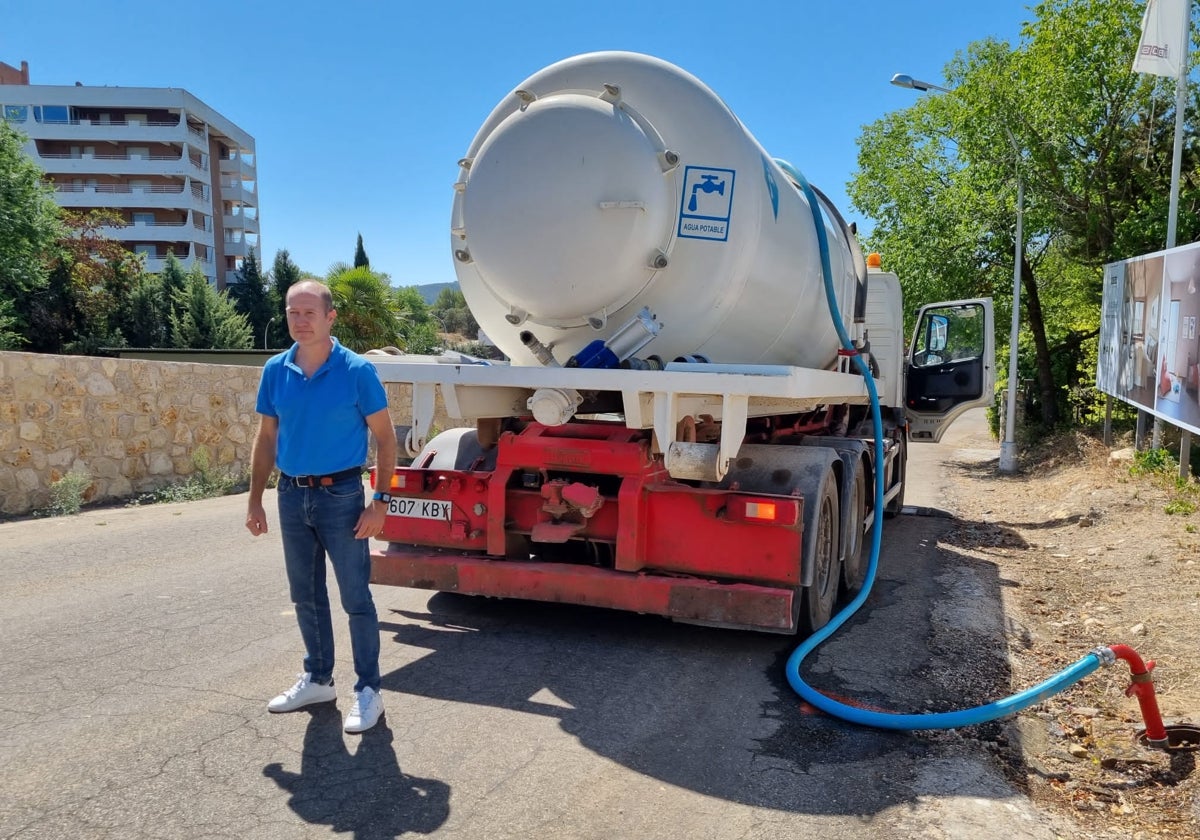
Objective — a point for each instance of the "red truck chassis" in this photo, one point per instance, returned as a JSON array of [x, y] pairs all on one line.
[[583, 513]]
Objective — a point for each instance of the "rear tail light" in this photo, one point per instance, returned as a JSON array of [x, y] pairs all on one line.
[[763, 511]]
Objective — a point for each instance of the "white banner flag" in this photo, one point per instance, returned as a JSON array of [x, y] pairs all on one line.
[[1165, 27]]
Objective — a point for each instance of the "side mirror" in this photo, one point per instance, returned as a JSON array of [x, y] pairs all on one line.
[[938, 324]]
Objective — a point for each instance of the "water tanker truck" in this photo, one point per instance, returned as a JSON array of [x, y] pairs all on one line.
[[684, 428]]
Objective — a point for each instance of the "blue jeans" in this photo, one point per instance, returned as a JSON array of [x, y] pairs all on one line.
[[316, 521]]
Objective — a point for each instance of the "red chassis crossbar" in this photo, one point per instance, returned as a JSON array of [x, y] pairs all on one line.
[[705, 555], [741, 605]]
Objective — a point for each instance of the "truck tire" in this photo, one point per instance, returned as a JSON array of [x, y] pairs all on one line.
[[854, 563], [822, 527]]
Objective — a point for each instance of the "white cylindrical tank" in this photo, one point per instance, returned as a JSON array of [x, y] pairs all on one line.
[[614, 181]]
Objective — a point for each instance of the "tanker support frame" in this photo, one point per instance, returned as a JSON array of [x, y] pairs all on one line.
[[723, 495]]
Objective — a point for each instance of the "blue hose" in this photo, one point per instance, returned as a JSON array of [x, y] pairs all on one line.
[[884, 720]]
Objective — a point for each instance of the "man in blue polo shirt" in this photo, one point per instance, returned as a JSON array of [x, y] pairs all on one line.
[[317, 402]]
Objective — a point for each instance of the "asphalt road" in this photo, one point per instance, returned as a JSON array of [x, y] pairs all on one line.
[[140, 645]]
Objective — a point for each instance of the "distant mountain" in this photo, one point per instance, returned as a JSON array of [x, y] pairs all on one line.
[[430, 291]]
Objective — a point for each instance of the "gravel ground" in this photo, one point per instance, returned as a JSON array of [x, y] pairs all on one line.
[[1088, 556]]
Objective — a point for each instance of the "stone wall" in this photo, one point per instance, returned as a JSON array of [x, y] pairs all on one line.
[[132, 426]]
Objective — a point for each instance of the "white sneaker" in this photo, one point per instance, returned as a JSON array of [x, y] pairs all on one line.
[[366, 711], [304, 693]]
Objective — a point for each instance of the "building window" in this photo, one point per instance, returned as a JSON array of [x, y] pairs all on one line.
[[51, 113], [16, 113]]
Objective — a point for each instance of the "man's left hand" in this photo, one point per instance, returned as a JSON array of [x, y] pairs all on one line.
[[370, 523]]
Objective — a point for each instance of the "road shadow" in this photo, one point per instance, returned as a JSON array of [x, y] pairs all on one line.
[[710, 710], [363, 793]]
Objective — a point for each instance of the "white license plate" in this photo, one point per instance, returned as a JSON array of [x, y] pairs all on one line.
[[418, 508]]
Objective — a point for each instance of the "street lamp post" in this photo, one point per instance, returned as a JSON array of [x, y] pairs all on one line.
[[1008, 447], [266, 330]]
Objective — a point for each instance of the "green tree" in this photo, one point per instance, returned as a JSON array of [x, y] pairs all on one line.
[[29, 227], [284, 275], [1063, 106], [10, 336], [451, 309], [417, 325], [412, 304], [360, 255], [146, 321], [173, 285], [252, 297], [81, 307], [367, 316], [209, 320]]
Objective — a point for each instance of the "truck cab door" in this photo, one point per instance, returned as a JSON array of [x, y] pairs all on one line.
[[951, 365]]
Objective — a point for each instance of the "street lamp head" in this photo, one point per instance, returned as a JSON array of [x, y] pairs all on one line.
[[906, 81]]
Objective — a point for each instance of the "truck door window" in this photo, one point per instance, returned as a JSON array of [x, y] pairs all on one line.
[[949, 334]]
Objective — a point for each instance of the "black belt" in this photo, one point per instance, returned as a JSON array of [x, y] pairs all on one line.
[[321, 480]]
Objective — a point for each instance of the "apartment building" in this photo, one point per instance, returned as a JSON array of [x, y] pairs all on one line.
[[181, 176]]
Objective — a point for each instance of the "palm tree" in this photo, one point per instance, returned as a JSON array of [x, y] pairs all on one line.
[[367, 316]]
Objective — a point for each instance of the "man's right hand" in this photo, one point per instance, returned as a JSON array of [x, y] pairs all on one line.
[[262, 459], [256, 519]]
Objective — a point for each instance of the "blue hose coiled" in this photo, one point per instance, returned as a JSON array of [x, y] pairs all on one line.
[[882, 720]]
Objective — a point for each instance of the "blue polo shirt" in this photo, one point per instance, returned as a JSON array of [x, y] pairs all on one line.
[[322, 420]]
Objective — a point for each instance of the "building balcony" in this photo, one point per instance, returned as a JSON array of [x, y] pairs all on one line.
[[200, 198], [113, 131], [240, 165], [68, 165], [235, 249], [241, 222], [240, 192], [155, 232], [156, 263], [163, 196]]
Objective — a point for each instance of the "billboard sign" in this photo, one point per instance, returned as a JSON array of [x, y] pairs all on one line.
[[1150, 334]]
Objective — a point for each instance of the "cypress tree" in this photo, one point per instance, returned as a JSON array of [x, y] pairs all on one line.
[[250, 296], [284, 275], [360, 255]]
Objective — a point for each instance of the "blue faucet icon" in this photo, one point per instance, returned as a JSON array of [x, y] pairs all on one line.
[[708, 184]]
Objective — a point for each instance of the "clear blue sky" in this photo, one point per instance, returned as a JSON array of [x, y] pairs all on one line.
[[360, 110]]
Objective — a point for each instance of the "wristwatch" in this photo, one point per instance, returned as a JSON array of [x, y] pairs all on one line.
[[382, 497]]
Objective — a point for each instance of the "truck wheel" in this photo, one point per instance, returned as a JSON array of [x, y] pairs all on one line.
[[821, 541], [854, 564]]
